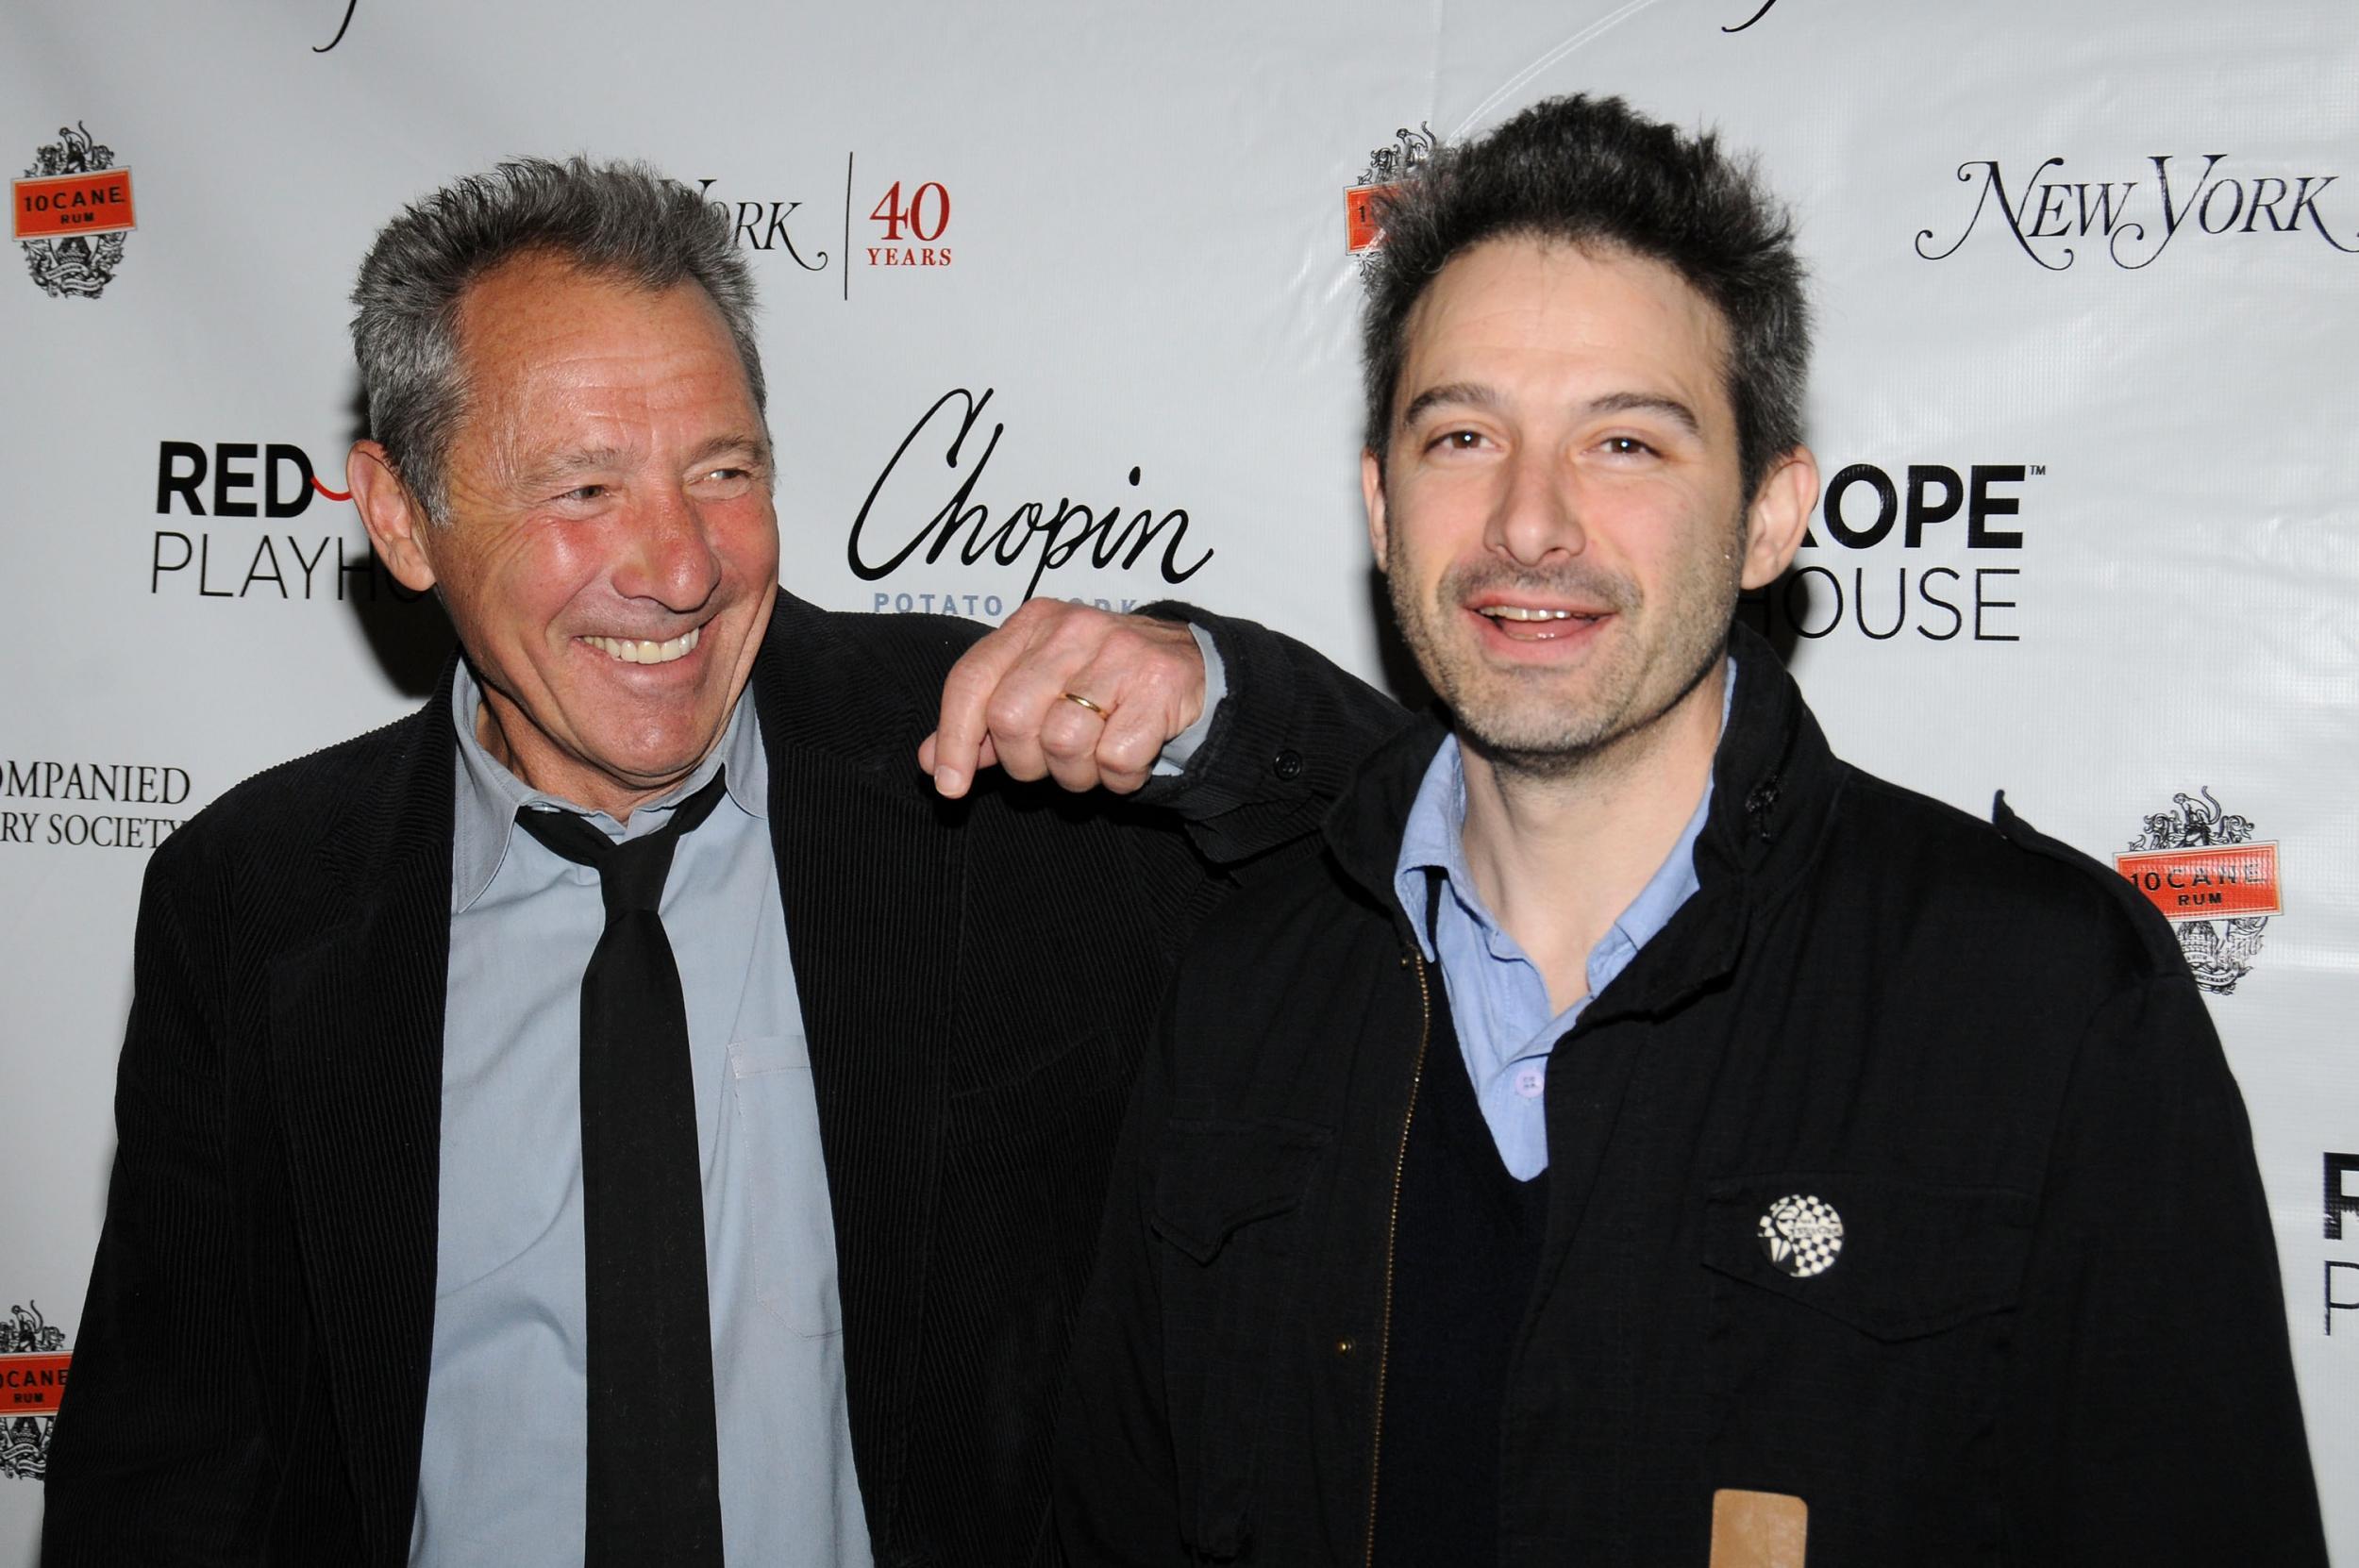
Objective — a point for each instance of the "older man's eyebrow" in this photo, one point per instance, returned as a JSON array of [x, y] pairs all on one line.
[[753, 449], [750, 449], [566, 465]]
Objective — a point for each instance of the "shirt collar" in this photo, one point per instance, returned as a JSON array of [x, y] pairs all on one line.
[[1433, 840], [489, 796]]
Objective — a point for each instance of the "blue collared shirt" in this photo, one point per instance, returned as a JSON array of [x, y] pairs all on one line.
[[502, 1476], [1499, 1000]]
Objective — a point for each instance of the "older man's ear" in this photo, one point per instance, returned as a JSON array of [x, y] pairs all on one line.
[[397, 525]]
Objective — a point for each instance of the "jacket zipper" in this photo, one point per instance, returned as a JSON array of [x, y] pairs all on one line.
[[1392, 1227]]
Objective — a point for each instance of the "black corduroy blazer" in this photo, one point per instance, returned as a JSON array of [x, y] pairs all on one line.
[[977, 978]]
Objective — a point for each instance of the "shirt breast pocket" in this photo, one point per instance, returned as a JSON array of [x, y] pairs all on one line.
[[1856, 1331], [773, 1166]]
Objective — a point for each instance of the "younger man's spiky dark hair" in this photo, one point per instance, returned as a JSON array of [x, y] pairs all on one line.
[[1591, 172]]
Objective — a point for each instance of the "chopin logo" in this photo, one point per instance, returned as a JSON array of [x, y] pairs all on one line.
[[33, 1362], [1053, 537], [2049, 217], [71, 210], [1388, 167], [2202, 867]]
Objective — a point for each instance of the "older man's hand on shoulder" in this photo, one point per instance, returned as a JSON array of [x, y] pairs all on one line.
[[1068, 692]]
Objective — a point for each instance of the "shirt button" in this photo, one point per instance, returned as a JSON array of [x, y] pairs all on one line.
[[1530, 1082], [1346, 1345], [1287, 765]]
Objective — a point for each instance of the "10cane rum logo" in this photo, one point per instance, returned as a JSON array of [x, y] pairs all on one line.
[[2202, 868], [33, 1360], [71, 211], [1388, 167]]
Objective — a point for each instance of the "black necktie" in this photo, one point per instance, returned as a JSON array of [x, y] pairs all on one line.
[[654, 1493]]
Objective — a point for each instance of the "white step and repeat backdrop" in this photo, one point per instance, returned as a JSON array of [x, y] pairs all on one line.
[[2088, 278]]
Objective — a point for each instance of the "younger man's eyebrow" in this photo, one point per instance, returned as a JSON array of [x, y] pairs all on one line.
[[1639, 402], [1473, 393]]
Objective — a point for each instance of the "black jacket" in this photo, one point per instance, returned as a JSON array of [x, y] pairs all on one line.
[[2053, 1334], [977, 980]]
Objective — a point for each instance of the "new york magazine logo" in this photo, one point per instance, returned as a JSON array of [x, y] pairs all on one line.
[[907, 224], [2133, 216], [2202, 867], [70, 213]]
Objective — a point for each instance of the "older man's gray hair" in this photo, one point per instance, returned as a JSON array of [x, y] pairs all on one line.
[[623, 221]]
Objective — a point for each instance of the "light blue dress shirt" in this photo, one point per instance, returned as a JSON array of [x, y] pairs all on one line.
[[502, 1476], [1499, 1000]]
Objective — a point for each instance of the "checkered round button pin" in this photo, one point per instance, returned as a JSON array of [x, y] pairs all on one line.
[[1801, 1234]]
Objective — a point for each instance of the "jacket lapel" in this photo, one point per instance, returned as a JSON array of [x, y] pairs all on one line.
[[356, 1036], [871, 876]]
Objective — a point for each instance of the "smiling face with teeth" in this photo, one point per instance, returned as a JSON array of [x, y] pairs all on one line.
[[611, 557], [1559, 519]]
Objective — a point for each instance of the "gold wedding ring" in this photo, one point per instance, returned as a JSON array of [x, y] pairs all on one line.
[[1081, 701]]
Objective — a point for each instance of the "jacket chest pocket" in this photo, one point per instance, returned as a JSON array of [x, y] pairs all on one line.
[[1226, 1211], [1856, 1330]]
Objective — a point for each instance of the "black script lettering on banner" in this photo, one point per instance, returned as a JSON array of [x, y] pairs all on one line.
[[1934, 507], [350, 6], [1766, 6], [761, 225], [2138, 219], [1058, 536]]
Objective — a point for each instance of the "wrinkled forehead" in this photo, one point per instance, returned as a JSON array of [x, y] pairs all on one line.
[[539, 331], [540, 302]]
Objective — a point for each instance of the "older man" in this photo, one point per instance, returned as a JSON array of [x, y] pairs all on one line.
[[1696, 1150], [619, 1113]]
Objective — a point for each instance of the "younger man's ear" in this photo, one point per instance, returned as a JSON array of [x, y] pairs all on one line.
[[1372, 492], [1780, 515]]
